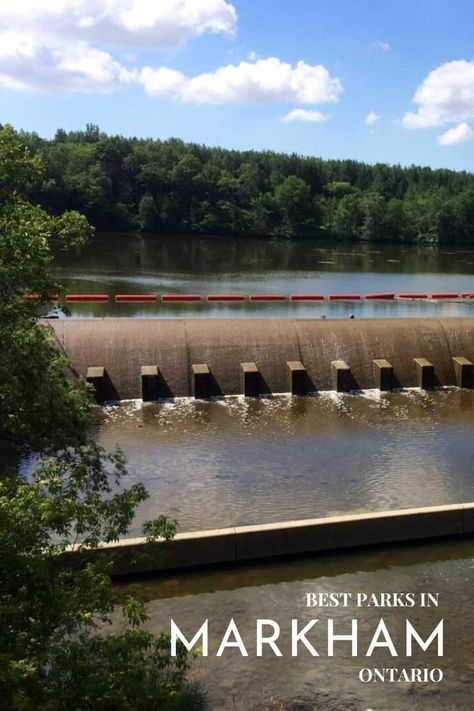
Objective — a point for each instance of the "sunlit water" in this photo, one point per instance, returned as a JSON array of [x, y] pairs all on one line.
[[277, 591], [245, 461], [123, 264]]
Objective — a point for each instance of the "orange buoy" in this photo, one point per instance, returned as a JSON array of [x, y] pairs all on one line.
[[226, 297], [180, 297], [267, 297], [135, 297], [87, 297], [382, 295], [306, 297], [35, 297]]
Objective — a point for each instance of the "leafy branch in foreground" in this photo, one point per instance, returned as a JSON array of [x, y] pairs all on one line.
[[55, 650]]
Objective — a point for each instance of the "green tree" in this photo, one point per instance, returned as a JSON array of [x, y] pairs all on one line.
[[348, 217], [149, 217], [294, 198], [55, 652]]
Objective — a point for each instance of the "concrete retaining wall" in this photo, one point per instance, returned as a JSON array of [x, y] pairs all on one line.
[[124, 346], [245, 543]]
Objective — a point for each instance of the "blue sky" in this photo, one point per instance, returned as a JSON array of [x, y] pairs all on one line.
[[228, 73]]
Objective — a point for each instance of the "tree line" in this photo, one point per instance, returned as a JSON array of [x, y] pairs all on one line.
[[171, 187]]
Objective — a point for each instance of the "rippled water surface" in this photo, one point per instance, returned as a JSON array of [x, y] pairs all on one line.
[[278, 590], [238, 461]]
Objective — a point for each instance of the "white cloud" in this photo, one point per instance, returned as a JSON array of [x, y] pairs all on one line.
[[48, 45], [162, 24], [458, 134], [264, 81], [303, 115], [371, 119], [385, 46], [445, 96], [28, 64], [66, 46]]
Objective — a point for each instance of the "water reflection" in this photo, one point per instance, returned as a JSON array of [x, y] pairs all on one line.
[[123, 264], [278, 590]]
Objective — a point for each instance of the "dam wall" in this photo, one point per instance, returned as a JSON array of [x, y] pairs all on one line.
[[161, 358]]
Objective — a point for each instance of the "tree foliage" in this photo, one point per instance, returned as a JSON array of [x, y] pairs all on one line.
[[55, 652], [172, 187]]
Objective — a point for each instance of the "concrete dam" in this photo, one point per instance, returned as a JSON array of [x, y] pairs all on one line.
[[160, 358]]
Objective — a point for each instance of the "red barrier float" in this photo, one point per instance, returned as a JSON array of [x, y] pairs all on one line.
[[35, 297], [226, 297], [343, 297], [382, 295], [412, 296], [180, 297], [267, 297], [444, 295], [87, 297], [467, 295], [306, 297], [135, 297]]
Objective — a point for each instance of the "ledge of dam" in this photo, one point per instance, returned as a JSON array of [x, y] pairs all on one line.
[[287, 538], [164, 358]]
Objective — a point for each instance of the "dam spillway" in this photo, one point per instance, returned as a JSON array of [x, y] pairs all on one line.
[[159, 358]]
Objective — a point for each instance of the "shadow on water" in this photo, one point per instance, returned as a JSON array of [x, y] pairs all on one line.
[[305, 567]]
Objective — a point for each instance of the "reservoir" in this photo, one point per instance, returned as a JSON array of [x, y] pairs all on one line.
[[121, 264]]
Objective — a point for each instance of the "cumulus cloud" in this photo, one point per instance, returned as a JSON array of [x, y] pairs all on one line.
[[67, 46], [304, 115], [445, 96], [371, 119], [162, 24], [264, 81], [26, 63], [458, 134], [46, 45]]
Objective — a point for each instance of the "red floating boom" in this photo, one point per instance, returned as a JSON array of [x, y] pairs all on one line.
[[343, 297], [306, 297], [35, 297], [467, 295], [413, 296], [135, 297], [444, 295], [382, 295], [181, 297], [267, 297], [226, 297], [87, 297]]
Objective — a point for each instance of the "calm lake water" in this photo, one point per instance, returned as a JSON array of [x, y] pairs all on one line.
[[238, 462], [277, 591], [123, 264]]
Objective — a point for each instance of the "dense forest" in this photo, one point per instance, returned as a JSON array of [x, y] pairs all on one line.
[[171, 187]]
